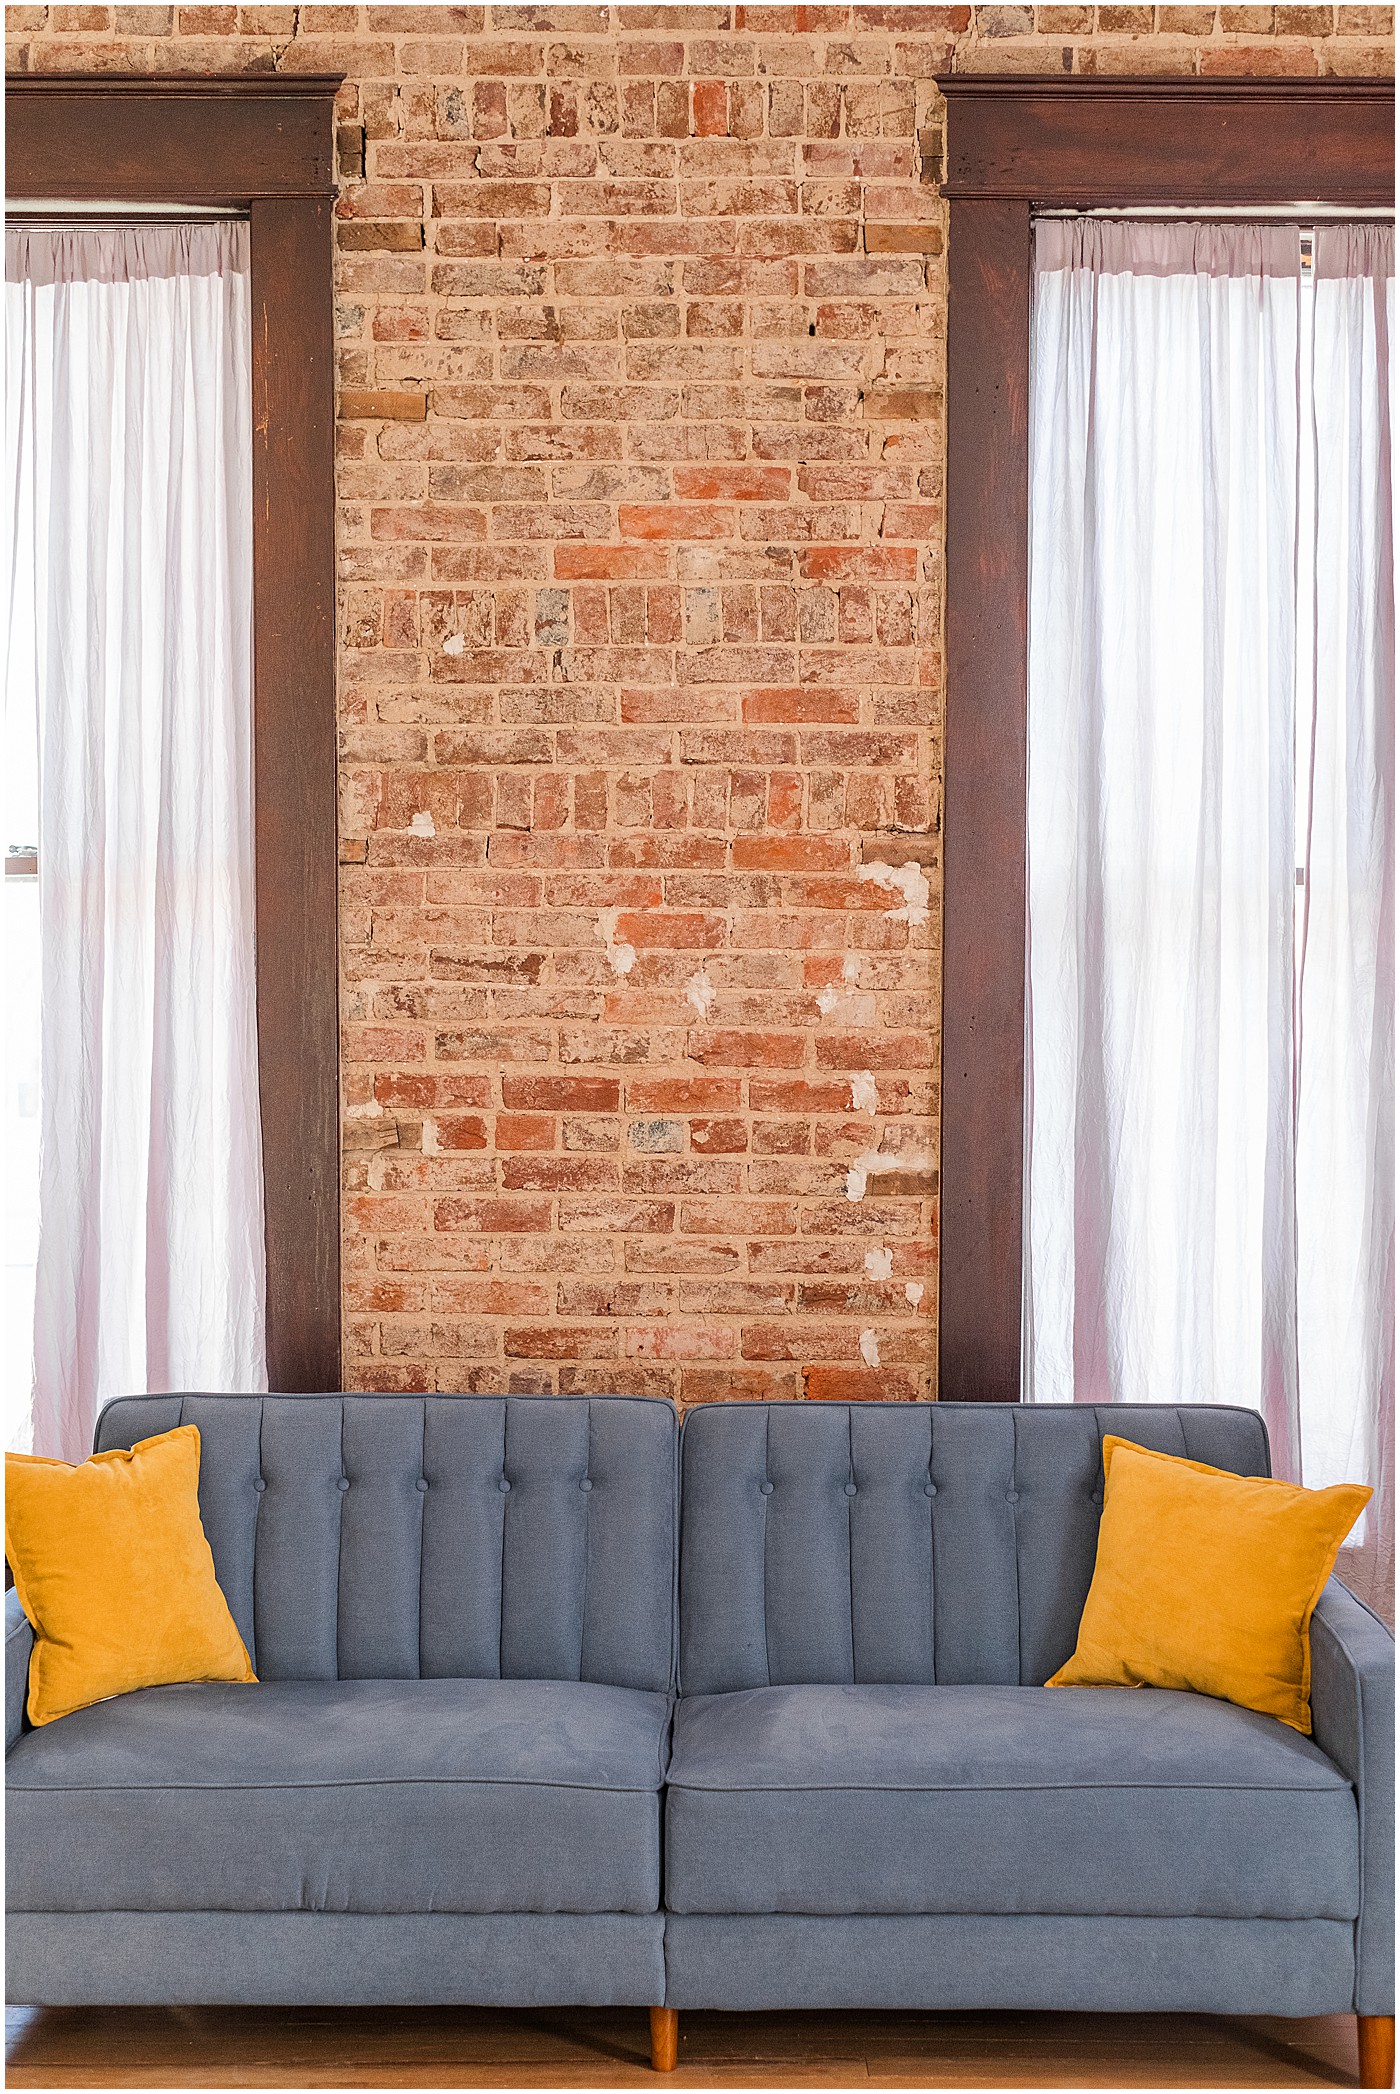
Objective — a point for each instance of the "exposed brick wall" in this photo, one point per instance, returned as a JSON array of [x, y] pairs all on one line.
[[641, 318]]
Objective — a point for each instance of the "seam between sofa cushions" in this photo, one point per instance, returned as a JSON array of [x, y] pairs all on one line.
[[1146, 1919], [267, 1788], [1340, 1786]]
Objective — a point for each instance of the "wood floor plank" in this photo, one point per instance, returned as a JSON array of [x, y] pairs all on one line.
[[607, 2047]]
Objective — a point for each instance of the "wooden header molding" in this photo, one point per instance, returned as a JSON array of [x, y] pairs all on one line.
[[263, 146], [81, 137], [1013, 144], [1170, 140]]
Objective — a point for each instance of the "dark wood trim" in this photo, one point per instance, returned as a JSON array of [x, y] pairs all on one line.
[[265, 146], [1170, 140], [83, 137], [1013, 144]]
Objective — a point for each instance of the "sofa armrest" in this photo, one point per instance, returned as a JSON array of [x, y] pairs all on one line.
[[1353, 1712], [19, 1641]]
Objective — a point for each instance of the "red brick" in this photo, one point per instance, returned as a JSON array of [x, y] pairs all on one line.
[[750, 1050], [492, 1217], [791, 853], [600, 563], [733, 483], [709, 103], [557, 1173], [858, 563], [561, 1093], [828, 705], [460, 1131], [720, 1137], [525, 1130], [560, 1342], [736, 1384], [671, 520], [670, 1341], [682, 1094], [858, 1385]]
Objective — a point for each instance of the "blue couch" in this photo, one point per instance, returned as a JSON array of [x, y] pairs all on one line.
[[501, 1754]]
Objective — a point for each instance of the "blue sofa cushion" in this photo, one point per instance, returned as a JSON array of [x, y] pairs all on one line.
[[1002, 1800], [436, 1537], [890, 1544], [375, 1796]]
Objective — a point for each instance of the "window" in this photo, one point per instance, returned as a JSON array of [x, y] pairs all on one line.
[[129, 450], [1210, 827], [261, 149]]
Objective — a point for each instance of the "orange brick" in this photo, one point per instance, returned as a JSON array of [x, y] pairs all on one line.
[[672, 520], [524, 1130]]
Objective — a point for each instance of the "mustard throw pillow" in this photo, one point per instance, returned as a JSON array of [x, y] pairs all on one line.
[[1208, 1581], [113, 1570]]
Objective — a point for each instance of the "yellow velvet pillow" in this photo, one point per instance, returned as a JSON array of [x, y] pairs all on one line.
[[1207, 1580], [113, 1570]]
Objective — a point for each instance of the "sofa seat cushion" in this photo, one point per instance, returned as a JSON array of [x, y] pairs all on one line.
[[1002, 1800], [380, 1796]]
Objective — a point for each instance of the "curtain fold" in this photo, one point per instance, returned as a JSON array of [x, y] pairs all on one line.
[[1210, 959], [129, 428], [1346, 992]]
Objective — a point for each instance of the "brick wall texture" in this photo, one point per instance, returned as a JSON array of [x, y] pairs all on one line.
[[641, 316]]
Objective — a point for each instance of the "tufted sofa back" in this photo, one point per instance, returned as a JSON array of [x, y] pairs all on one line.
[[885, 1543], [459, 1537]]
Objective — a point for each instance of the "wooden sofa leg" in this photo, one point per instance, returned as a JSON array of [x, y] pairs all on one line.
[[666, 2039], [1375, 2042]]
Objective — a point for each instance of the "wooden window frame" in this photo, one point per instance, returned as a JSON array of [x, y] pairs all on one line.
[[264, 146], [1012, 145]]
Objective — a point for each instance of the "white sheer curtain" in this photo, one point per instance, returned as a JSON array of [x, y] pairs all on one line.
[[1209, 1204], [128, 435]]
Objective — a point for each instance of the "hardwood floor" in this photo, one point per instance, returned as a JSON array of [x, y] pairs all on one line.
[[607, 2047]]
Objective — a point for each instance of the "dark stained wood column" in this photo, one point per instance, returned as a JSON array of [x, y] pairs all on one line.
[[295, 764], [984, 862]]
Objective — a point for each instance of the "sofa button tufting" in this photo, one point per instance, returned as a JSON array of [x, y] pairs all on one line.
[[1012, 1497], [766, 1489], [505, 1486], [260, 1484], [850, 1490], [587, 1484], [342, 1483], [422, 1483], [930, 1490]]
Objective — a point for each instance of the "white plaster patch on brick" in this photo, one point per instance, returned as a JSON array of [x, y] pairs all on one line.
[[858, 1008], [852, 1006], [369, 1109], [871, 1163], [909, 880], [455, 643], [879, 1262], [864, 1095], [622, 957], [423, 824], [913, 1292], [430, 1138], [831, 998], [870, 1348], [700, 993]]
